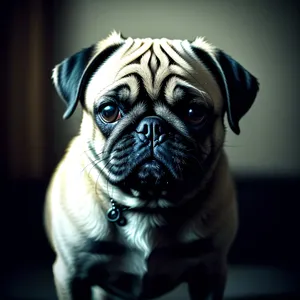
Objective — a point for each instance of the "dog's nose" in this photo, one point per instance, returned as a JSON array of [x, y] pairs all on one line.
[[152, 129]]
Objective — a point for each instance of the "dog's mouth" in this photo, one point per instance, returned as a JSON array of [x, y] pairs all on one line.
[[149, 179]]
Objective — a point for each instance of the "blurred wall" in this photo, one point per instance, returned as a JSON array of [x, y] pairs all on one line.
[[26, 129], [261, 35]]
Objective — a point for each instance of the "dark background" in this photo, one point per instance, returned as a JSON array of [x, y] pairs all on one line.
[[262, 35]]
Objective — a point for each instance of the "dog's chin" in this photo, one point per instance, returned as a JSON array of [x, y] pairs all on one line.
[[151, 179], [152, 182]]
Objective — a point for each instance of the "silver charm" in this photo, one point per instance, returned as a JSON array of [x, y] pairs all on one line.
[[114, 214]]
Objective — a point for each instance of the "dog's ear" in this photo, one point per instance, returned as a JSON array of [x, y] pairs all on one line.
[[71, 76], [238, 87], [67, 77], [241, 88]]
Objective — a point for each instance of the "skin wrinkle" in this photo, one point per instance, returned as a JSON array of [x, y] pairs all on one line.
[[153, 65], [153, 51], [148, 67], [194, 93], [132, 115]]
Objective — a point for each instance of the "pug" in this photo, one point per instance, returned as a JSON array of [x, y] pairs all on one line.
[[143, 199]]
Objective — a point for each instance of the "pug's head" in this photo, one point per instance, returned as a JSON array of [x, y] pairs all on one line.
[[153, 110]]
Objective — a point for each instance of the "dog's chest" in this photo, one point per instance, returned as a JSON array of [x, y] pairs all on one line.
[[152, 263]]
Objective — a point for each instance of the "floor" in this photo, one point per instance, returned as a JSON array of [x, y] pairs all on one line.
[[244, 282]]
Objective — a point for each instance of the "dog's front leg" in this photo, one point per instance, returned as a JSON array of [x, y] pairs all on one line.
[[208, 283], [67, 286]]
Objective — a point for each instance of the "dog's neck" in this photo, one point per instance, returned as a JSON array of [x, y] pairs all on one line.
[[117, 213]]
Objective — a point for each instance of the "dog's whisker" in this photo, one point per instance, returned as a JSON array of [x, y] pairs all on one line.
[[99, 174], [112, 186], [87, 151], [93, 163], [96, 185]]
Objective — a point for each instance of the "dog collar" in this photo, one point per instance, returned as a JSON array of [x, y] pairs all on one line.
[[116, 213]]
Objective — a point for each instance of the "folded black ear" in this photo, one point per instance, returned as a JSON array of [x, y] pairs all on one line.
[[241, 88], [237, 85], [67, 77], [72, 75]]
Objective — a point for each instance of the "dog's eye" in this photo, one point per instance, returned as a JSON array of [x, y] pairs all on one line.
[[195, 114], [110, 113]]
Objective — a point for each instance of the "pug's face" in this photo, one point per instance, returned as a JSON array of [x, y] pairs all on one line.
[[153, 112]]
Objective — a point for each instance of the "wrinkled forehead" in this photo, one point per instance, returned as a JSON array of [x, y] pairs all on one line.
[[156, 67]]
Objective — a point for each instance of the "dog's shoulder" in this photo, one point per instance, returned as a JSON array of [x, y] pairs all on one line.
[[72, 195]]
